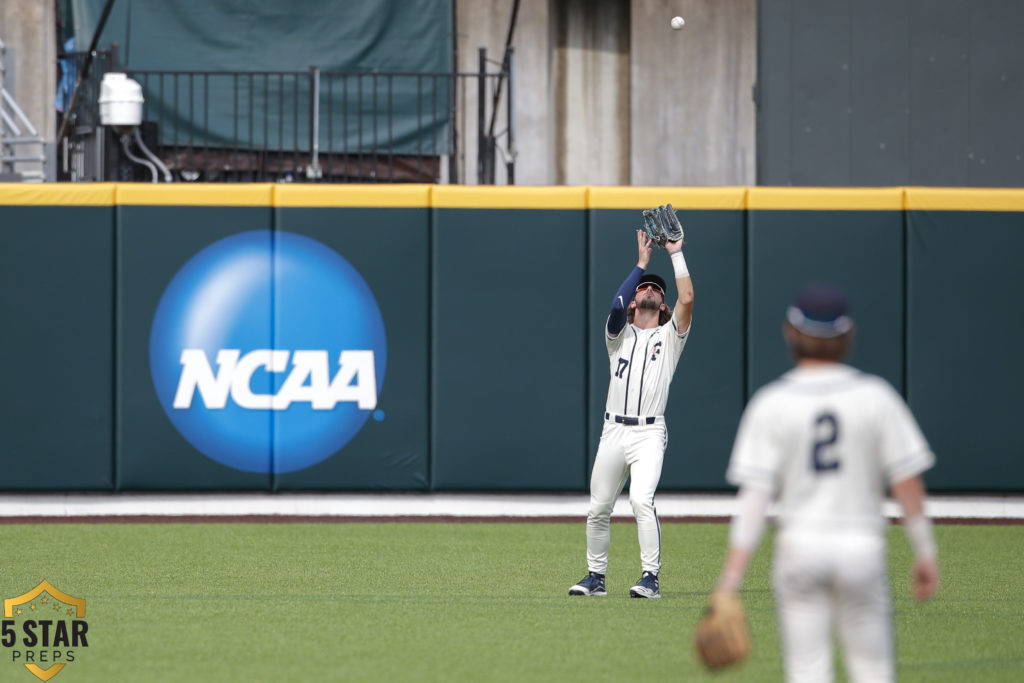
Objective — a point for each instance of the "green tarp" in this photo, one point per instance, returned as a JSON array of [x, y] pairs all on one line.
[[272, 45]]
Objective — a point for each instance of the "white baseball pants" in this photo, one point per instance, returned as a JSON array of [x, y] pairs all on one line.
[[826, 581], [635, 452]]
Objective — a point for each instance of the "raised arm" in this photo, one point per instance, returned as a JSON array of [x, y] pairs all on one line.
[[620, 304], [683, 310]]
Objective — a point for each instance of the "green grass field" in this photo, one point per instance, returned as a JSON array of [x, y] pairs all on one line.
[[461, 602]]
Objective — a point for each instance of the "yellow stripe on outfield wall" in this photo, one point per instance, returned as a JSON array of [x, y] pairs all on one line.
[[490, 197], [370, 196], [721, 198], [57, 194], [199, 194], [826, 198], [963, 199]]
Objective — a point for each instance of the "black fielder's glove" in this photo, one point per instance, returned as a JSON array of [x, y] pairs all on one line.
[[662, 225]]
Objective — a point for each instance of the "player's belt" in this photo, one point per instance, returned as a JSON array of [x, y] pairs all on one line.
[[632, 421]]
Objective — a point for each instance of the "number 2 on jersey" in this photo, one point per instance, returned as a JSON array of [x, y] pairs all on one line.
[[826, 433]]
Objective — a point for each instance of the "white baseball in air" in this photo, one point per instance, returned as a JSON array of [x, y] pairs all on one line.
[[678, 22]]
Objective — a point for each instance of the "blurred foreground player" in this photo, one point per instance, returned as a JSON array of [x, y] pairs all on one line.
[[825, 441]]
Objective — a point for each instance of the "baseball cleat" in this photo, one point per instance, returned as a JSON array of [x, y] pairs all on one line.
[[646, 587], [592, 584]]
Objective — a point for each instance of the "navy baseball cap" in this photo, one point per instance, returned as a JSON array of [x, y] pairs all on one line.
[[820, 311], [651, 278]]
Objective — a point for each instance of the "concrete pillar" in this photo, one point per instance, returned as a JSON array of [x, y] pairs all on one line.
[[592, 90], [608, 93], [485, 23], [693, 114], [28, 28]]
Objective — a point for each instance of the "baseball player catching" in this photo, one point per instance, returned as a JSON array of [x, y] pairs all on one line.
[[825, 441], [644, 341]]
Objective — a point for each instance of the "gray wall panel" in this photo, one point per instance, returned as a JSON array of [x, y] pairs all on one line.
[[879, 95], [939, 77], [774, 99], [996, 152], [821, 93]]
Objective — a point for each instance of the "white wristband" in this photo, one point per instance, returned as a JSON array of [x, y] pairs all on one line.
[[679, 264], [922, 539]]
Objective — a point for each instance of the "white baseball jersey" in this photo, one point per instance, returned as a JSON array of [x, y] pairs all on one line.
[[642, 363], [827, 441]]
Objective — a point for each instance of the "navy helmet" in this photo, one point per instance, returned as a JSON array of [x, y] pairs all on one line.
[[821, 311], [651, 278]]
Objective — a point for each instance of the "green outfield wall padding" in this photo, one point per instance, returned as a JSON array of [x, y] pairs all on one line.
[[509, 352], [56, 302], [153, 244], [964, 326], [473, 357], [860, 251], [391, 450]]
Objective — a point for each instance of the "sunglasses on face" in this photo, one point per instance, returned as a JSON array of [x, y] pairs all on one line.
[[651, 285]]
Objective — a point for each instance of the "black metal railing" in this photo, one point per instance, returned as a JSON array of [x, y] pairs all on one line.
[[79, 153], [311, 126]]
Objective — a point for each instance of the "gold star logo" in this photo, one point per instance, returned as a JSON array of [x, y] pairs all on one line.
[[44, 594]]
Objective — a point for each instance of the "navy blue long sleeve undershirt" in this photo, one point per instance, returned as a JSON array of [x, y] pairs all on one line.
[[617, 319]]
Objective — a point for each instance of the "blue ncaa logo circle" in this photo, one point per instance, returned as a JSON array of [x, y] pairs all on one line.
[[268, 351]]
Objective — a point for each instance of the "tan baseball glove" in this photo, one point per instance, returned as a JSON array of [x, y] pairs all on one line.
[[722, 638]]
